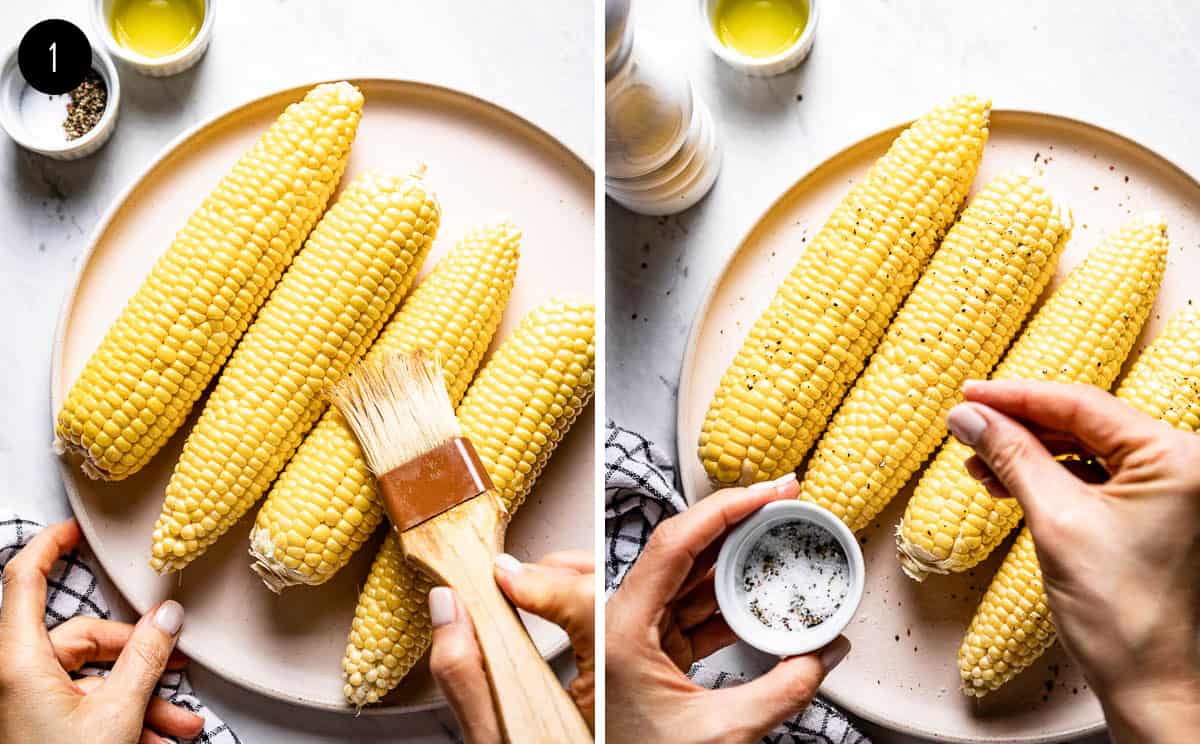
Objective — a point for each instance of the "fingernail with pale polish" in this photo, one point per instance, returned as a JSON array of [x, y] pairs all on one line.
[[833, 654], [762, 486], [441, 606], [966, 424], [787, 484], [508, 564], [169, 617]]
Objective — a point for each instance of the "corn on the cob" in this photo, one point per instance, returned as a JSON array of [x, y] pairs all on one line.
[[325, 506], [179, 328], [967, 306], [359, 261], [1013, 625], [1082, 334], [515, 413], [831, 310], [1164, 382]]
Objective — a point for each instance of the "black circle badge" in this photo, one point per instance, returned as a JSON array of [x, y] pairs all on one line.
[[54, 56]]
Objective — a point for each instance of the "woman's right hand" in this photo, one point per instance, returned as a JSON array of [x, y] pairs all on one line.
[[558, 588], [1121, 558]]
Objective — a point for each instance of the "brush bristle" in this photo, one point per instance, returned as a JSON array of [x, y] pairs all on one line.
[[399, 408]]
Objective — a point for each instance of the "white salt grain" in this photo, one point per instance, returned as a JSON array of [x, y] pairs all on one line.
[[795, 577], [43, 115]]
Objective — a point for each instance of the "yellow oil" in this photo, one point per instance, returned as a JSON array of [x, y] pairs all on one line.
[[156, 28], [760, 28]]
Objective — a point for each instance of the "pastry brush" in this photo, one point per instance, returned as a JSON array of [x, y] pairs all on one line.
[[452, 524]]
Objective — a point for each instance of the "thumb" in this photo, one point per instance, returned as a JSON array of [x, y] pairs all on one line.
[[565, 598], [1019, 461], [764, 703], [137, 670], [456, 664]]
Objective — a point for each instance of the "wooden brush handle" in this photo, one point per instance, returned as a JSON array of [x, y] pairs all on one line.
[[459, 548]]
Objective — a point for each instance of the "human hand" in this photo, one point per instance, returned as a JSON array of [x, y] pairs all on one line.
[[39, 702], [1120, 558], [559, 588], [664, 617]]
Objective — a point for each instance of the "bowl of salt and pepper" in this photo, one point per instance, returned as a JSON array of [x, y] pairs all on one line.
[[50, 108], [63, 125], [789, 578]]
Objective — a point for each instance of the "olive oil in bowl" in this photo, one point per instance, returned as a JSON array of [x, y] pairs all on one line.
[[760, 28], [155, 28]]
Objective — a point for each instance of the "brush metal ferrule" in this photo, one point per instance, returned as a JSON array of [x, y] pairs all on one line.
[[435, 482]]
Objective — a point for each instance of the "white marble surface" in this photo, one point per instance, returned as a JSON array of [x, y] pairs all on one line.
[[530, 56], [1129, 67]]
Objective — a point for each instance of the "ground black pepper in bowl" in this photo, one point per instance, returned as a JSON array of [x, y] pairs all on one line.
[[86, 106]]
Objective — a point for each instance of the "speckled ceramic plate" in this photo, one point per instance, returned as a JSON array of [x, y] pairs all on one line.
[[483, 161], [903, 673]]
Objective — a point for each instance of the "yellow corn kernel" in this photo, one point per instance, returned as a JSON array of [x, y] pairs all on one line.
[[171, 339], [810, 344], [1013, 625], [515, 413], [302, 534], [967, 306], [356, 266], [1082, 334]]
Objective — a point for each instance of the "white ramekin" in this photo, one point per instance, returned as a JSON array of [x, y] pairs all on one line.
[[12, 83], [733, 556], [760, 66], [172, 64]]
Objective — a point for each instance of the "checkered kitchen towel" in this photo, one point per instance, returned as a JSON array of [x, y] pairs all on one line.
[[639, 493], [72, 591]]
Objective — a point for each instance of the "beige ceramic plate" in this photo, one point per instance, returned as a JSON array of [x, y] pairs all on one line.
[[483, 162], [902, 673]]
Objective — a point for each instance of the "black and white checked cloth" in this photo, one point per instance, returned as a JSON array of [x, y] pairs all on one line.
[[639, 493], [72, 590]]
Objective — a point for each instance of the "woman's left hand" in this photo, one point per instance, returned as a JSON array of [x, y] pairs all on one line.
[[39, 701]]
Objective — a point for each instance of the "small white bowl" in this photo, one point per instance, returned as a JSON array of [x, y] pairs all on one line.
[[12, 84], [760, 66], [732, 558], [172, 64]]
